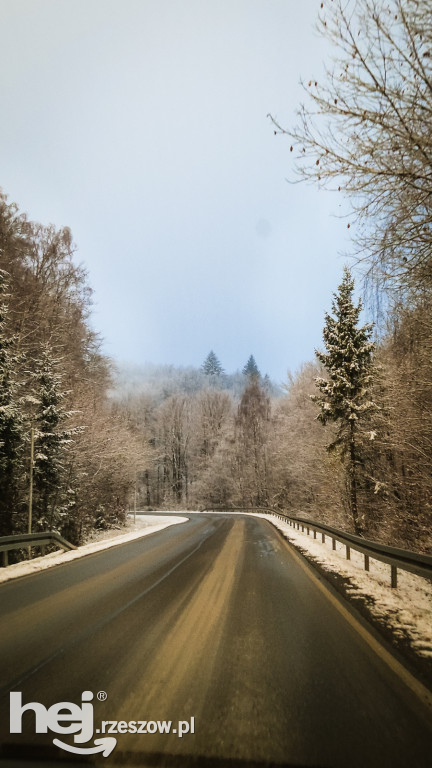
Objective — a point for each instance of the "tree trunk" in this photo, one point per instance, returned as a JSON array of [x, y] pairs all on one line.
[[147, 479], [353, 482]]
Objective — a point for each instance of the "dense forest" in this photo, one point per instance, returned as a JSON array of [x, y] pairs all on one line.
[[348, 438], [54, 385]]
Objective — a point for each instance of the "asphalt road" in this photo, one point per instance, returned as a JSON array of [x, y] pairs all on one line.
[[214, 620]]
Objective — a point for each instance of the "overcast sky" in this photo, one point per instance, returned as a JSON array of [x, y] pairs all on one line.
[[142, 125]]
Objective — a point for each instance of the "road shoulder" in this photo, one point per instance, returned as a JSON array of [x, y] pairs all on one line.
[[384, 626], [144, 526]]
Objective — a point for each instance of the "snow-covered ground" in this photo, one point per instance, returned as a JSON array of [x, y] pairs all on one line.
[[407, 609], [144, 525]]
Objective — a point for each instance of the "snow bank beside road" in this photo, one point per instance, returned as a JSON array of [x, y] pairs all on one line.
[[145, 524], [407, 609]]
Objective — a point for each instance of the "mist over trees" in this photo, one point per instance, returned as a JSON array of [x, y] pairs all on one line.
[[159, 381]]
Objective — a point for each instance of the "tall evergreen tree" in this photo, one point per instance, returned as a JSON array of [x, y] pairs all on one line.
[[251, 369], [11, 425], [51, 441], [211, 365], [346, 395]]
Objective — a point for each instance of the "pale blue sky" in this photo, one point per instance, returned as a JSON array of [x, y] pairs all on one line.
[[142, 125]]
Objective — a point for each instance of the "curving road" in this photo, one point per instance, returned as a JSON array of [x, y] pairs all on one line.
[[215, 620]]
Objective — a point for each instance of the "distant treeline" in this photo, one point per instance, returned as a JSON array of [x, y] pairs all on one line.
[[161, 381]]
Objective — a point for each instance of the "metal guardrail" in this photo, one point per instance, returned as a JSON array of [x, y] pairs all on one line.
[[403, 559], [25, 540]]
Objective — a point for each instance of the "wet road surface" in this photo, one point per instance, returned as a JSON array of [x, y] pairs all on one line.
[[213, 620]]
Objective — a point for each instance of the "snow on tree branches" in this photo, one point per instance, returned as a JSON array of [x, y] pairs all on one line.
[[51, 442], [346, 394], [211, 365], [11, 422]]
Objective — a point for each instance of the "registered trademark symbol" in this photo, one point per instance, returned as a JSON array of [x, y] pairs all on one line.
[[102, 696]]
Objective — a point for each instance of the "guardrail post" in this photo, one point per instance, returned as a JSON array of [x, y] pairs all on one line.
[[323, 538], [314, 533], [366, 562], [393, 576], [307, 528], [5, 559], [333, 543], [348, 552]]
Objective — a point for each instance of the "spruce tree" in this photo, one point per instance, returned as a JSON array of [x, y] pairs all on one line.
[[251, 369], [211, 365], [51, 442], [346, 395], [11, 423]]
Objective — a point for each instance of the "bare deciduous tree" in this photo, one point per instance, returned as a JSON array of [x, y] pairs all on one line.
[[365, 129]]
